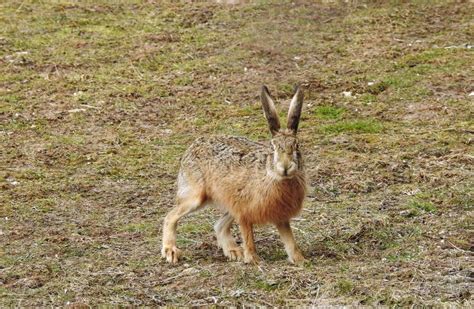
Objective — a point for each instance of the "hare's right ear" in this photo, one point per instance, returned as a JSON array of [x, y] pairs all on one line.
[[294, 113], [269, 110]]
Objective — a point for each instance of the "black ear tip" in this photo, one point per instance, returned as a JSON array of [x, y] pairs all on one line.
[[299, 91], [265, 89], [298, 87]]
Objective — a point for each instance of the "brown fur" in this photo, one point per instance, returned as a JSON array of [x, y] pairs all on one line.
[[272, 202], [253, 183]]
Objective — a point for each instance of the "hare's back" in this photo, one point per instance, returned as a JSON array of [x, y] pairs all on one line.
[[221, 151]]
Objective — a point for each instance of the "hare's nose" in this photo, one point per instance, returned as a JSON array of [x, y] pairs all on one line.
[[285, 169]]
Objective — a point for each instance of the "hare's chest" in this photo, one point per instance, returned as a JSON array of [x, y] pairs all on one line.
[[277, 207]]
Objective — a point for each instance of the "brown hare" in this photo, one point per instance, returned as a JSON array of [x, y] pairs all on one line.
[[252, 183]]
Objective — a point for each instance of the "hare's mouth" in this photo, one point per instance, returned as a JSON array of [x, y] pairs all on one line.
[[280, 176], [287, 171]]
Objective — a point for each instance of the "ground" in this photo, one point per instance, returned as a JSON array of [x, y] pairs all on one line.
[[98, 101]]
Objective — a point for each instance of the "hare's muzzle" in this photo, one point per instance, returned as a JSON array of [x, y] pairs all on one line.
[[286, 169]]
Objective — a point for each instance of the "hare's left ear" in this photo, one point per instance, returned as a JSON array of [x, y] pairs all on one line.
[[270, 111], [294, 113]]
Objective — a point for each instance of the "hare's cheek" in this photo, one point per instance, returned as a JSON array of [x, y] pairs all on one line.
[[275, 157]]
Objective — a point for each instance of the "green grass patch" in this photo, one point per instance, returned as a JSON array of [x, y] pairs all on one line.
[[367, 98], [423, 206], [45, 204], [419, 205], [344, 287], [428, 56], [384, 238], [405, 78], [353, 126], [265, 285], [139, 227], [195, 228], [329, 112]]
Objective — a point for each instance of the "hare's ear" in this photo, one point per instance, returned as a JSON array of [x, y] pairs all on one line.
[[294, 113], [269, 110]]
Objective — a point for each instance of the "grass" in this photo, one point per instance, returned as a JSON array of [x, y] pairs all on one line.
[[418, 207], [329, 112], [355, 126], [345, 287], [99, 101]]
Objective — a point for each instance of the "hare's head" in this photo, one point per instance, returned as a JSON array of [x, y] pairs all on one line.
[[286, 155]]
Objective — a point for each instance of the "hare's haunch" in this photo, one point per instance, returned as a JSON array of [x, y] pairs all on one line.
[[252, 183]]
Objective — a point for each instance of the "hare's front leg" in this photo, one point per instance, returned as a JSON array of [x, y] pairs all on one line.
[[225, 239], [286, 235], [169, 251], [250, 254]]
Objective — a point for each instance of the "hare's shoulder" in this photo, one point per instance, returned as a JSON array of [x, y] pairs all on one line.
[[229, 150]]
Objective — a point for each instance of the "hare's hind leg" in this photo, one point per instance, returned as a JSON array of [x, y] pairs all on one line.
[[225, 239], [189, 199], [286, 235], [169, 250]]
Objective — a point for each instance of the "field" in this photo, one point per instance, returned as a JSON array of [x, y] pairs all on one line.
[[98, 100]]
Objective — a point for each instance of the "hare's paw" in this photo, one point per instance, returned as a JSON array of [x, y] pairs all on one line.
[[296, 258], [251, 258], [234, 253], [171, 254]]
